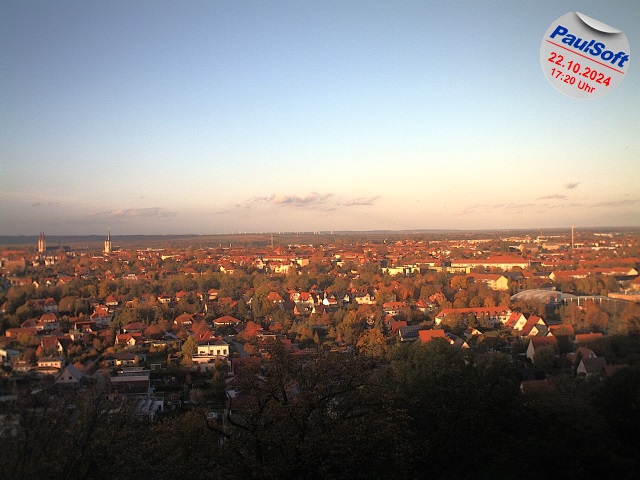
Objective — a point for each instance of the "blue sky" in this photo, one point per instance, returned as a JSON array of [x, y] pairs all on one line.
[[212, 117]]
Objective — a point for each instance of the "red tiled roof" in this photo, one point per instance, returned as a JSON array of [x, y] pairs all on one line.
[[544, 341], [427, 335], [587, 337]]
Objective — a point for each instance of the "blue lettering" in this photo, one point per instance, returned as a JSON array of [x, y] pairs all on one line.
[[560, 30], [597, 49], [623, 58], [578, 46]]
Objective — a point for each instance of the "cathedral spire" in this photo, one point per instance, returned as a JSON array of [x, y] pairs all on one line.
[[42, 243], [107, 242]]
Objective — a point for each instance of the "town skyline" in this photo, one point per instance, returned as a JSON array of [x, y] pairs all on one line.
[[246, 341], [252, 118]]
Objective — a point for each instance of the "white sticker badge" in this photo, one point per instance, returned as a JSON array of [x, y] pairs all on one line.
[[584, 58]]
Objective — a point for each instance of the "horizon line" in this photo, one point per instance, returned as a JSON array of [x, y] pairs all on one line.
[[332, 232]]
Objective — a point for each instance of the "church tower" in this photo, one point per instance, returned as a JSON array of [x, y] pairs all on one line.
[[107, 242], [42, 243]]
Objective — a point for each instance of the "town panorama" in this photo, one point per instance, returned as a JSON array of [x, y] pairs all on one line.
[[321, 355]]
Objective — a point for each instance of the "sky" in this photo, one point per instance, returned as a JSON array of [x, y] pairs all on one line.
[[204, 117]]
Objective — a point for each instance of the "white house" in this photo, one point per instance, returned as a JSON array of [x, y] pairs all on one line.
[[210, 350]]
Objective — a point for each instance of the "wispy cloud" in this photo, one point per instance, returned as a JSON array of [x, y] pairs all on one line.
[[553, 197], [571, 185], [361, 201], [506, 207], [224, 211], [313, 199], [127, 213], [43, 204], [617, 203], [322, 202]]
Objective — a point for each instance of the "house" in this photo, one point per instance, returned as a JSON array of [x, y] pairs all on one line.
[[184, 320], [133, 381], [364, 299], [51, 345], [8, 356], [134, 327], [69, 376], [16, 332], [535, 326], [540, 386], [226, 321], [209, 350], [580, 353], [49, 321], [535, 343], [504, 263], [393, 308], [428, 335], [182, 294], [227, 302], [101, 316], [562, 330], [423, 306], [49, 365], [128, 359], [394, 326], [22, 366], [50, 306], [409, 333], [493, 281], [471, 332], [589, 366], [488, 315], [569, 274], [459, 343], [516, 318], [587, 337], [164, 299], [85, 326], [274, 297], [111, 301], [147, 408], [303, 309], [129, 339], [330, 302]]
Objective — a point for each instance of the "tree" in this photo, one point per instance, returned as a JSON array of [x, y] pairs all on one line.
[[189, 348], [372, 343], [459, 282], [594, 317], [454, 322], [444, 390], [83, 433], [572, 314], [321, 419], [630, 318], [350, 327], [476, 302], [545, 358], [25, 339]]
